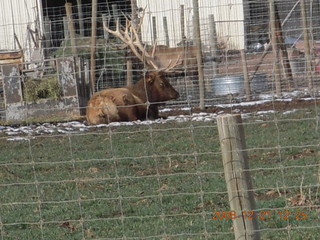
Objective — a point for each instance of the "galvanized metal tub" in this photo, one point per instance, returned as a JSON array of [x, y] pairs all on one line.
[[227, 84], [234, 84]]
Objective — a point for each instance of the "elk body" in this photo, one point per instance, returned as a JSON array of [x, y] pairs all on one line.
[[137, 102]]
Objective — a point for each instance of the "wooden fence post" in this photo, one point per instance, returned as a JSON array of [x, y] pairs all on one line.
[[80, 18], [47, 32], [237, 176], [129, 71], [116, 17], [154, 29], [166, 31], [65, 28], [213, 42], [245, 75], [275, 48], [105, 21], [93, 46], [182, 25], [283, 51], [135, 20], [197, 39], [71, 28], [306, 44]]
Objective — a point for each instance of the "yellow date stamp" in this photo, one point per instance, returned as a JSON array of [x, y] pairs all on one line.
[[265, 214]]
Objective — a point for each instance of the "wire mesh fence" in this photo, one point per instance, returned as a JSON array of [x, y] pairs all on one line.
[[161, 178]]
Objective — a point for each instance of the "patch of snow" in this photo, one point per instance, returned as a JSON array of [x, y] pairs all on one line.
[[265, 112], [165, 110], [245, 115], [12, 133], [288, 112], [18, 139], [243, 104]]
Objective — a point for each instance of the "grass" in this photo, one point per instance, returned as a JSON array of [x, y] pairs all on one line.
[[157, 181], [41, 88]]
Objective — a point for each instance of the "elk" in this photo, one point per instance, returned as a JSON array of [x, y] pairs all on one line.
[[141, 100]]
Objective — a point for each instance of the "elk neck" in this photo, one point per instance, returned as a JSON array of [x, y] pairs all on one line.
[[140, 90]]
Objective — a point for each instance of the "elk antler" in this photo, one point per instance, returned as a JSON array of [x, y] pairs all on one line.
[[130, 36]]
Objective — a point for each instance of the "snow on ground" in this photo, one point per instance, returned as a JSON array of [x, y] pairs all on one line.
[[21, 133]]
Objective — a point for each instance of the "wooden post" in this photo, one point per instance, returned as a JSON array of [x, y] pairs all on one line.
[[65, 28], [71, 28], [93, 46], [105, 21], [135, 16], [166, 32], [307, 52], [197, 39], [135, 20], [283, 51], [80, 19], [275, 48], [182, 24], [315, 20], [47, 33], [213, 43], [154, 29], [245, 75], [237, 176], [129, 72], [115, 13], [134, 12]]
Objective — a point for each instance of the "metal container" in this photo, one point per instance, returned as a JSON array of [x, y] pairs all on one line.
[[227, 84], [234, 84]]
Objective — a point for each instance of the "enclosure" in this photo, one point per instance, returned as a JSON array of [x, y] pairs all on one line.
[[187, 174]]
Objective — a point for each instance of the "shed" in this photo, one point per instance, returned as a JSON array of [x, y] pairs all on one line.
[[20, 26], [228, 17]]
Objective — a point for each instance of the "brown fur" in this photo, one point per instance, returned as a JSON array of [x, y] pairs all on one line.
[[131, 102], [102, 109]]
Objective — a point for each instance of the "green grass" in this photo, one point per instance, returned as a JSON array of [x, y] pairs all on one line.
[[157, 181]]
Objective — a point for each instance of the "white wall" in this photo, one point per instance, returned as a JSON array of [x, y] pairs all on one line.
[[15, 16], [229, 17]]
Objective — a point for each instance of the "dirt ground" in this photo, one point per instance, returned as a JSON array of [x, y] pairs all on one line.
[[276, 105]]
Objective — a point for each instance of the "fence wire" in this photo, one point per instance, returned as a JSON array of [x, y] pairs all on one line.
[[160, 179]]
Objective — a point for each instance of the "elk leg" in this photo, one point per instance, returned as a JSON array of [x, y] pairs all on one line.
[[153, 112]]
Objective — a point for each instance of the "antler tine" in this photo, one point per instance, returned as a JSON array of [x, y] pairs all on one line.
[[117, 32], [130, 36], [142, 18], [169, 68], [154, 49], [139, 45]]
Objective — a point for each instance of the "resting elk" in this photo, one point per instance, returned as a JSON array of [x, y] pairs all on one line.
[[139, 101]]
